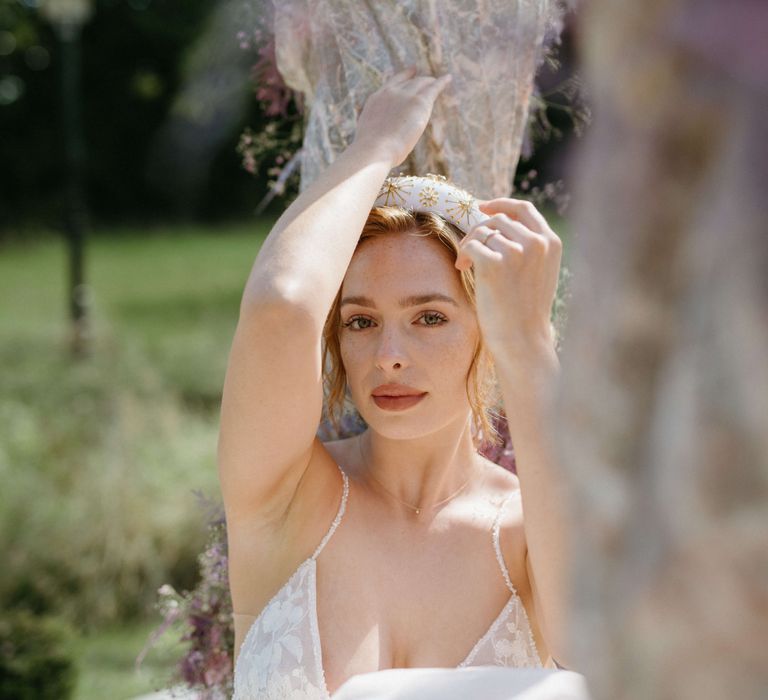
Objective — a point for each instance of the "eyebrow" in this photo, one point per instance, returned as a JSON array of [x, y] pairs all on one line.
[[405, 302]]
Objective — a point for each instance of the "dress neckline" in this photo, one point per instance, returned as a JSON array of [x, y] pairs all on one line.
[[313, 618], [317, 640], [315, 627]]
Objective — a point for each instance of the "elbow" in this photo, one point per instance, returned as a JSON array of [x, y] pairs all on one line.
[[272, 294], [283, 307]]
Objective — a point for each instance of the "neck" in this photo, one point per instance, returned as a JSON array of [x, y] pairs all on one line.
[[420, 472]]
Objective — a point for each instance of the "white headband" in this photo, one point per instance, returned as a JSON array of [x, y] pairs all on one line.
[[431, 193]]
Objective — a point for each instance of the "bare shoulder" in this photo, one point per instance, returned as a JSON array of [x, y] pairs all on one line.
[[503, 488], [501, 483]]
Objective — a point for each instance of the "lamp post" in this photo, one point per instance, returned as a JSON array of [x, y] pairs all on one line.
[[67, 18]]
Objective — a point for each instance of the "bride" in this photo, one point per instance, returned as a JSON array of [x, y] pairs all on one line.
[[401, 546]]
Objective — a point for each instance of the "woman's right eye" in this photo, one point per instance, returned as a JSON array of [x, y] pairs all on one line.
[[349, 323]]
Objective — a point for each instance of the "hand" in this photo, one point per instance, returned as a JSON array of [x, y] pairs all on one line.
[[516, 273], [396, 115]]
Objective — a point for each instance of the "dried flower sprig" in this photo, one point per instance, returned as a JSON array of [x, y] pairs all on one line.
[[205, 616]]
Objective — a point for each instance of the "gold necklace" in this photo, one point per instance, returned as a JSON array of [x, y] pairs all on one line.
[[413, 508]]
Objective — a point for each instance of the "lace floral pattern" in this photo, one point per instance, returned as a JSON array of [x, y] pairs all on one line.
[[275, 657], [515, 647]]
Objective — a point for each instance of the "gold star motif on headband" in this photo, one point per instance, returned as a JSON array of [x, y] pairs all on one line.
[[428, 196], [396, 189], [462, 208]]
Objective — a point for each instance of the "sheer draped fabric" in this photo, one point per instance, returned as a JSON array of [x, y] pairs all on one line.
[[337, 52]]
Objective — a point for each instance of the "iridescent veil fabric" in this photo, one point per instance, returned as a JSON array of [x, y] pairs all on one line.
[[337, 52]]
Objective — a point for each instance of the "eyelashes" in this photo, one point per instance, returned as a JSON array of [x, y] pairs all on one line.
[[441, 320]]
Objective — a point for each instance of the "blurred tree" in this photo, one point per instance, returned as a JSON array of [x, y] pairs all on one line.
[[67, 17], [135, 55], [665, 379]]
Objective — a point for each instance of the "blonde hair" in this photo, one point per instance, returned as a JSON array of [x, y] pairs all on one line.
[[482, 386]]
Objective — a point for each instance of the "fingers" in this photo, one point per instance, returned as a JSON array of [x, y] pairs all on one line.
[[501, 243], [408, 76], [473, 251], [519, 209], [441, 82], [500, 235], [509, 228], [505, 227], [403, 75], [423, 83]]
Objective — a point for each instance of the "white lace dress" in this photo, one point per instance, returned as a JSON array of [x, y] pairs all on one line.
[[280, 657]]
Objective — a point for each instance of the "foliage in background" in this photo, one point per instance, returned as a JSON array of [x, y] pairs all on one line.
[[96, 461], [36, 661], [202, 618], [99, 459], [133, 56]]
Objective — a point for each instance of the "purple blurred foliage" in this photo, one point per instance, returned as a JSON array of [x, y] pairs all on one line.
[[204, 615], [504, 454], [271, 90]]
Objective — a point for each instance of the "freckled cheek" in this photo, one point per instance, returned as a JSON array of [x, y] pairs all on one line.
[[353, 355], [457, 357], [454, 363]]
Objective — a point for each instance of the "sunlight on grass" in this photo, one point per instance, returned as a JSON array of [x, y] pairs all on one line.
[[106, 661]]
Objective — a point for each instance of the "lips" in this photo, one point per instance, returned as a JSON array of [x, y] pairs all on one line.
[[398, 403], [396, 390]]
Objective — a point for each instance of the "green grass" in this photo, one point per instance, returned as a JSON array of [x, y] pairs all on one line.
[[107, 663], [98, 456], [174, 290]]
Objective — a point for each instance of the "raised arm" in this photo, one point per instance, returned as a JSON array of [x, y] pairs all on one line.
[[272, 397]]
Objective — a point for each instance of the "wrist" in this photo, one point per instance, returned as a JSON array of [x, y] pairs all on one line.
[[526, 357], [530, 342], [374, 150]]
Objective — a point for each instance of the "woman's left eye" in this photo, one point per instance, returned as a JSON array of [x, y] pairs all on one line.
[[440, 318]]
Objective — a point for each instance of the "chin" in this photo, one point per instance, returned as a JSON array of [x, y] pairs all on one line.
[[396, 426]]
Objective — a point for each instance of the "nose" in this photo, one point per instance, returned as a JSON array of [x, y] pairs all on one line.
[[390, 353]]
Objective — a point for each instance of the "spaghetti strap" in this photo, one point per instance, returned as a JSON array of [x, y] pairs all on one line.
[[337, 519], [499, 557]]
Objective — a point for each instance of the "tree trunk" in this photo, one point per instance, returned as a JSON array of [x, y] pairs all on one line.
[[664, 395]]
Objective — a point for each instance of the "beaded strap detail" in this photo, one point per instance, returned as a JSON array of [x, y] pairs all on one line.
[[337, 519], [497, 547]]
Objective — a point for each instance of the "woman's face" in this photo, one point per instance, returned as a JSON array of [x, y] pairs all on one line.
[[426, 345]]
